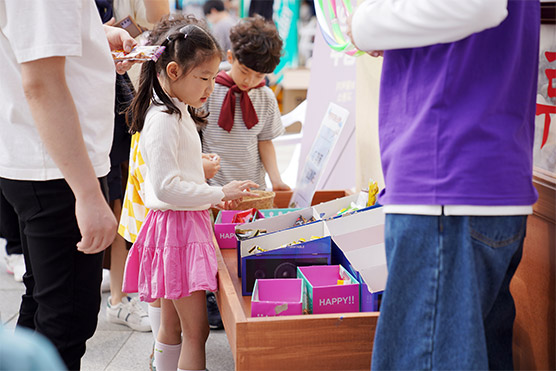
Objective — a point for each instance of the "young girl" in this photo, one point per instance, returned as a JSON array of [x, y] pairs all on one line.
[[173, 257]]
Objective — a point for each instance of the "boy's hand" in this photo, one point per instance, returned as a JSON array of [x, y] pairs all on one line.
[[280, 186], [237, 189]]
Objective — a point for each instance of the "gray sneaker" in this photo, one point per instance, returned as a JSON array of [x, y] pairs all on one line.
[[129, 313]]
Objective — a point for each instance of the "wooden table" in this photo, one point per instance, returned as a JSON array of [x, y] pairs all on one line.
[[340, 341]]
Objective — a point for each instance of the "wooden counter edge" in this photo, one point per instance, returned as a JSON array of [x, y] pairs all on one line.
[[231, 310]]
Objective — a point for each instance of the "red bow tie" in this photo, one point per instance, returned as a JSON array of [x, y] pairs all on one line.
[[226, 119]]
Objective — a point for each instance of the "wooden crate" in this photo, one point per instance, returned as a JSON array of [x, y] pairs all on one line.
[[340, 341]]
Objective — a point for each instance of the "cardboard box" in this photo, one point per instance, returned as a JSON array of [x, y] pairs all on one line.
[[294, 84], [368, 301], [360, 236], [323, 294], [224, 229], [280, 231], [269, 213], [287, 221], [282, 262], [277, 297]]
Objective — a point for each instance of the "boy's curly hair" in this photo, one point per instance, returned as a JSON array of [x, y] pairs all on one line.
[[256, 44]]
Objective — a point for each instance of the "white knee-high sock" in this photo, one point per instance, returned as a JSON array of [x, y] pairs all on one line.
[[166, 356], [154, 319]]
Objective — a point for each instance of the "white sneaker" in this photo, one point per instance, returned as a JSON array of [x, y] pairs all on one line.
[[130, 313], [15, 264]]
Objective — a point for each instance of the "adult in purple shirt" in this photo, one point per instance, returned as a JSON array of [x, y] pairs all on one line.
[[456, 121]]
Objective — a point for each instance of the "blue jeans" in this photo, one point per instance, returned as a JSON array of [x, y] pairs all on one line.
[[447, 303]]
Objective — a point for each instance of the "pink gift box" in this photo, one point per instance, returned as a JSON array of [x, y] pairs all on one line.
[[323, 294], [277, 297], [224, 229]]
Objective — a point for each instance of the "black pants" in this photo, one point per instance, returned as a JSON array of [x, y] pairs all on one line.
[[9, 227], [62, 297]]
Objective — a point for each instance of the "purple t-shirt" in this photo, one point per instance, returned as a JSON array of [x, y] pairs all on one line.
[[457, 120]]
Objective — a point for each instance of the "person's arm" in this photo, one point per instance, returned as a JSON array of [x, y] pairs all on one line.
[[57, 122], [156, 9], [268, 158], [398, 24]]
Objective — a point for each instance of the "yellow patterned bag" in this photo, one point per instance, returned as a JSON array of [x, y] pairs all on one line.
[[133, 208]]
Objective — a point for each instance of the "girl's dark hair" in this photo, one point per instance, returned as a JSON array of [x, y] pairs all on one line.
[[188, 46], [256, 44]]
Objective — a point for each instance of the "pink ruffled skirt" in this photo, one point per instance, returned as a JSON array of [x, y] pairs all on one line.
[[172, 257]]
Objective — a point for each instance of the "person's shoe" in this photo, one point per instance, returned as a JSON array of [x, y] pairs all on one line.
[[215, 321], [128, 312], [105, 284], [15, 264]]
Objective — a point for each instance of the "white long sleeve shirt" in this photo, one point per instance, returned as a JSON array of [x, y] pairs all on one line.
[[400, 24], [171, 149]]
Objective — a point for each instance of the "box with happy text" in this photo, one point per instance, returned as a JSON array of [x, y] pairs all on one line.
[[329, 289]]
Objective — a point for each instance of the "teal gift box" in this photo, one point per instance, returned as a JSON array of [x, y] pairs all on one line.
[[324, 294]]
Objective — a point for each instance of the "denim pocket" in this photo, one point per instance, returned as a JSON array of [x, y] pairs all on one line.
[[497, 231]]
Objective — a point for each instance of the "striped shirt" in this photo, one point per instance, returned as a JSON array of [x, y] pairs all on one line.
[[239, 149]]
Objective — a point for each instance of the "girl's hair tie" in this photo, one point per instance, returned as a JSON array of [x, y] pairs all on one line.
[[158, 53]]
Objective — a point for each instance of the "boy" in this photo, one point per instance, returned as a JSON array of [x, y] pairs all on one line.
[[242, 137]]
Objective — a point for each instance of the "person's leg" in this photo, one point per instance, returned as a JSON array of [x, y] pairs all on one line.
[[168, 344], [195, 330], [9, 230], [63, 285], [442, 282], [154, 311], [9, 227], [154, 317], [406, 322], [118, 255], [495, 238], [214, 318]]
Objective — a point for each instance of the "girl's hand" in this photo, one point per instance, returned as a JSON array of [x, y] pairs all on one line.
[[211, 164], [227, 205], [231, 205], [237, 189]]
